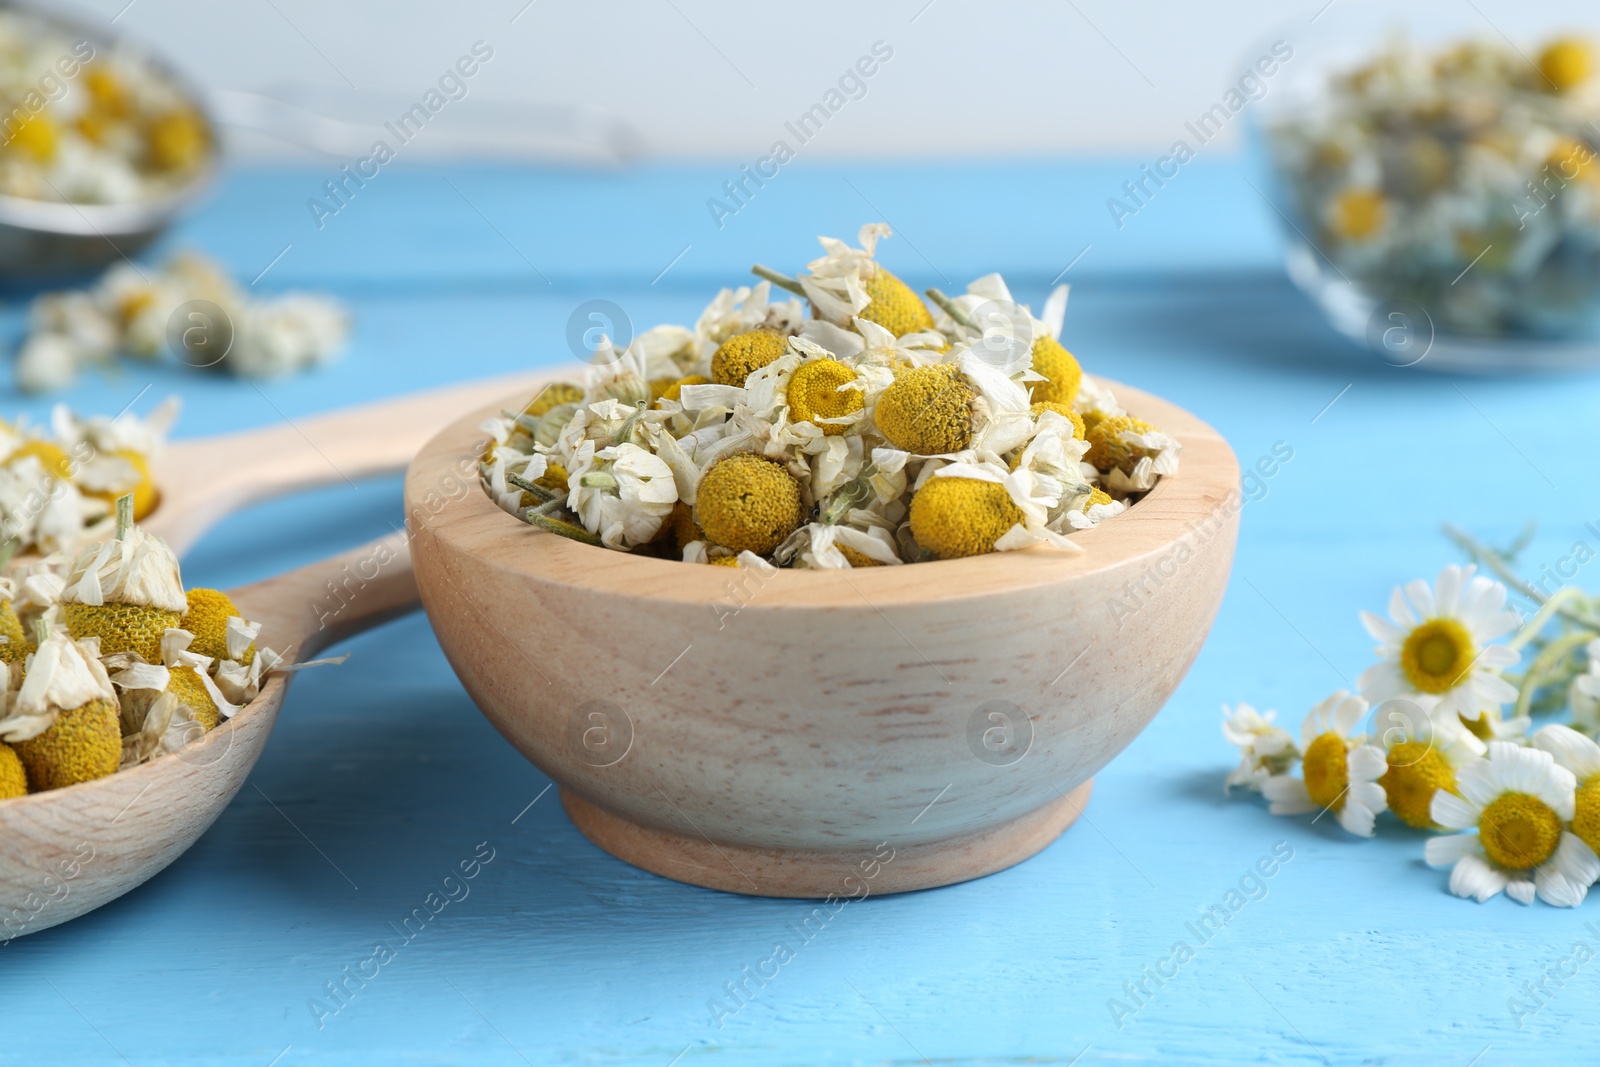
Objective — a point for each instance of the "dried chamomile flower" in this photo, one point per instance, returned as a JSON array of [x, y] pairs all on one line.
[[13, 776], [927, 411], [127, 591], [1265, 749], [213, 619], [623, 493], [13, 638], [743, 354], [953, 517], [748, 503], [64, 720]]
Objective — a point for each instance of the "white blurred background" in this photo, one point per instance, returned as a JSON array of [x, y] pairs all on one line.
[[676, 79]]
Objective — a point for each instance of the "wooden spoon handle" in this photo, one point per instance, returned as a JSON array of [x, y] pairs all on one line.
[[204, 479], [327, 601]]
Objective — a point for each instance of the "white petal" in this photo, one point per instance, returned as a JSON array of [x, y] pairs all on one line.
[[1477, 783], [1474, 877], [1570, 749], [1400, 611], [1367, 763], [1348, 715], [1357, 819], [1447, 597], [1421, 598], [1383, 681], [1448, 849], [1382, 629], [1369, 795], [1287, 795], [1576, 860], [1453, 813], [1520, 889]]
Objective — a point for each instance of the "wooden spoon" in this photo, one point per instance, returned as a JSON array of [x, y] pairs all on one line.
[[204, 479], [68, 851]]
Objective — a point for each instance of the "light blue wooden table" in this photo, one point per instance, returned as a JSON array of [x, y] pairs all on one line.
[[382, 776]]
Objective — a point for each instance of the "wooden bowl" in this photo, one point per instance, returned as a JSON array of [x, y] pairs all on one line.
[[808, 733]]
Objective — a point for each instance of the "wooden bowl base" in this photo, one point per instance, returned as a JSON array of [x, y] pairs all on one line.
[[816, 874]]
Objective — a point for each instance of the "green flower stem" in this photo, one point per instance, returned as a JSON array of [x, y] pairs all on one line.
[[1542, 669], [41, 631], [1492, 559], [598, 480], [540, 493], [560, 526], [124, 515], [1533, 626], [782, 281], [949, 307]]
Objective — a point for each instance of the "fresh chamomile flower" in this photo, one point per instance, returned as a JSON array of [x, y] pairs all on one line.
[[1421, 758], [1566, 63], [126, 591], [927, 411], [1265, 748], [1339, 770], [1580, 755], [623, 493], [748, 503], [1518, 801], [1435, 647], [1583, 695], [64, 720]]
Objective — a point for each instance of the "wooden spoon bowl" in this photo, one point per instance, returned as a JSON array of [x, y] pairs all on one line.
[[68, 851], [806, 733]]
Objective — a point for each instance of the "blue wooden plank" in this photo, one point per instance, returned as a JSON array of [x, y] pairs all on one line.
[[382, 777]]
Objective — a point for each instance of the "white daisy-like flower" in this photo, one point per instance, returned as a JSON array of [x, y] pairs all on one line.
[[1515, 805], [1265, 749], [1340, 771], [1435, 647], [1580, 755], [741, 310], [836, 283], [1160, 457], [623, 493], [823, 546], [1421, 756], [1583, 695]]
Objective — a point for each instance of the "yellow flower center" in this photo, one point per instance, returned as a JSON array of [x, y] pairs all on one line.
[[1567, 63], [749, 503], [674, 389], [1358, 214], [894, 306], [1586, 819], [1437, 656], [1062, 374], [1039, 407], [954, 517], [1326, 769], [1416, 772], [1519, 831], [820, 390], [927, 410], [49, 456], [1107, 449], [552, 395], [745, 353]]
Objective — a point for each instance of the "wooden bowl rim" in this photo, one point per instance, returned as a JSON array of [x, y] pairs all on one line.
[[1178, 506]]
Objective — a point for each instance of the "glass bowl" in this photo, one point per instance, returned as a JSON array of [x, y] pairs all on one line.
[[1438, 181]]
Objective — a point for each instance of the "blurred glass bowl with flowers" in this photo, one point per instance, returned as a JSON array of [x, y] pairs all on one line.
[[1451, 189]]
